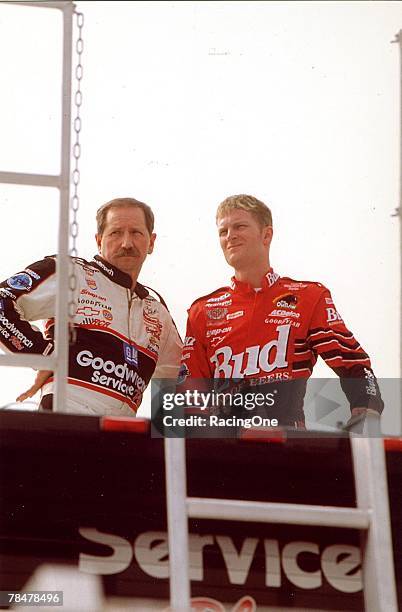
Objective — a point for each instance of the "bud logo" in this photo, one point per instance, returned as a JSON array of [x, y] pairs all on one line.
[[333, 315], [258, 360], [88, 311]]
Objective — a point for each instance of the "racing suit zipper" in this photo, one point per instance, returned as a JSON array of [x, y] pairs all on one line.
[[129, 304]]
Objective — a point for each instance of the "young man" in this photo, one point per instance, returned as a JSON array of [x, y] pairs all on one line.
[[264, 329], [123, 334]]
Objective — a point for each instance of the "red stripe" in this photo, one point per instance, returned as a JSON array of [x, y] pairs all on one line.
[[264, 434], [109, 330], [393, 444], [136, 425], [115, 394]]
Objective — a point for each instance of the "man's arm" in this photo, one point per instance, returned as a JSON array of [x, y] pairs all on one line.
[[194, 359], [28, 296], [330, 338], [169, 356]]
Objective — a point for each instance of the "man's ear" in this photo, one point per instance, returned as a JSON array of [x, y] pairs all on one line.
[[98, 239], [151, 243], [267, 234]]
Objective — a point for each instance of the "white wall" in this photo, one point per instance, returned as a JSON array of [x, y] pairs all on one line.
[[188, 102]]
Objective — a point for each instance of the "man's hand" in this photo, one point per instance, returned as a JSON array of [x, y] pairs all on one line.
[[358, 411], [40, 380]]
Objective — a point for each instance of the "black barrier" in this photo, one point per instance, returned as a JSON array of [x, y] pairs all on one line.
[[73, 492]]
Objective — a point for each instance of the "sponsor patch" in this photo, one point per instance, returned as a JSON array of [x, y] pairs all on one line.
[[17, 334], [295, 286], [220, 330], [220, 298], [284, 313], [235, 315], [217, 313], [91, 283], [87, 311], [21, 282], [108, 315], [272, 277], [32, 273], [183, 373], [333, 316], [7, 293], [102, 265], [1, 305], [189, 341], [130, 354], [370, 378], [286, 300], [17, 343]]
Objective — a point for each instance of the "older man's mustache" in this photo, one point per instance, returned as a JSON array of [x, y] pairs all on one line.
[[127, 253]]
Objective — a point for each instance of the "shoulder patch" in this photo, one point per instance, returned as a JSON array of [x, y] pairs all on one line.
[[292, 284], [213, 297]]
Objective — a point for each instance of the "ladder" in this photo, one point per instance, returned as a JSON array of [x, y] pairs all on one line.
[[371, 517], [58, 360]]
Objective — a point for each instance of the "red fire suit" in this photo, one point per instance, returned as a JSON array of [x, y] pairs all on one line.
[[275, 334]]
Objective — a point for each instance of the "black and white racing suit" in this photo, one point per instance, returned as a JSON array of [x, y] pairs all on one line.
[[123, 337]]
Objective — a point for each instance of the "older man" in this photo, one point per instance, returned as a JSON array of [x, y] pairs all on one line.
[[265, 328], [124, 335]]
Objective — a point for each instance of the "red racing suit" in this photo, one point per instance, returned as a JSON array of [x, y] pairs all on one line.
[[123, 338], [272, 335]]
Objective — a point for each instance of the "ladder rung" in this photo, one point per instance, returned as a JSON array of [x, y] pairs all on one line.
[[37, 180], [29, 360], [268, 512], [44, 4]]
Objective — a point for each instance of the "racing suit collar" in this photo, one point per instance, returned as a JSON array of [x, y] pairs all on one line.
[[267, 282], [119, 277]]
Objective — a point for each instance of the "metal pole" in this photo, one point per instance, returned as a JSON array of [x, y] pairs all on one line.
[[372, 495], [176, 491], [398, 211], [63, 260]]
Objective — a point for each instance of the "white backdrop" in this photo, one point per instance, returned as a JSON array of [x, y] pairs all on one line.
[[188, 102]]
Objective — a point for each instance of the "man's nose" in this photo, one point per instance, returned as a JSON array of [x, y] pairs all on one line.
[[127, 240], [231, 233]]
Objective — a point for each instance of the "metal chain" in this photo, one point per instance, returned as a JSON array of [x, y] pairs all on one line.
[[76, 150]]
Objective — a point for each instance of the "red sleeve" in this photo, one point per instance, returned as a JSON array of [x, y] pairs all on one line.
[[195, 362], [330, 338]]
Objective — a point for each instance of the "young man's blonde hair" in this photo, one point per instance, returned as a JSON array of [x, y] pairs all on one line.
[[249, 203]]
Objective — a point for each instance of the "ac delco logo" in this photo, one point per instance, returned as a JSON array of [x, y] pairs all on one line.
[[257, 358]]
